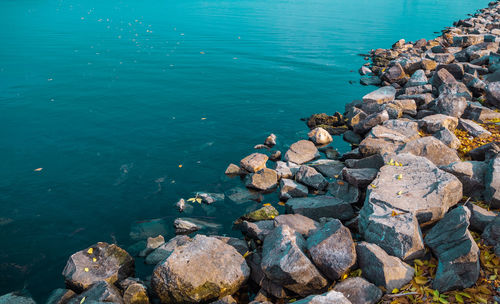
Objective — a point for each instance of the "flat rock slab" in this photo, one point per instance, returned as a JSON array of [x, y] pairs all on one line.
[[311, 178], [301, 152], [290, 189], [471, 174], [326, 298], [432, 149], [473, 128], [162, 252], [263, 180], [254, 162], [382, 95], [320, 206], [417, 186], [297, 222], [328, 167], [359, 177], [359, 291]]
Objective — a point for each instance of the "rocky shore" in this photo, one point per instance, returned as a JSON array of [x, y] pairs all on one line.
[[409, 215]]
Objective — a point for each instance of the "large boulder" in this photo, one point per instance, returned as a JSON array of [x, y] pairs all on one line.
[[371, 121], [320, 136], [285, 262], [57, 296], [398, 233], [480, 218], [344, 191], [203, 269], [492, 182], [290, 188], [310, 177], [359, 291], [473, 128], [332, 249], [257, 230], [326, 298], [301, 152], [99, 292], [320, 206], [328, 167], [100, 262], [260, 278], [162, 252], [432, 149], [493, 93], [254, 162], [359, 177], [456, 250], [263, 180], [414, 184], [436, 122], [382, 269], [297, 222], [471, 174], [381, 95]]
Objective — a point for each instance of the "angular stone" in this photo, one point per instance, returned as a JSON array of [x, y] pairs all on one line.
[[479, 217], [434, 123], [382, 269], [375, 162], [240, 245], [284, 171], [201, 270], [152, 244], [297, 222], [58, 296], [381, 95], [457, 70], [101, 291], [491, 234], [448, 138], [441, 77], [301, 152], [344, 191], [320, 136], [284, 262], [492, 182], [310, 177], [417, 186], [480, 152], [136, 293], [427, 88], [166, 249], [417, 79], [326, 298], [352, 137], [263, 180], [225, 300], [432, 149], [183, 226], [371, 121], [270, 140], [398, 233], [264, 213], [13, 298], [234, 170], [290, 188], [493, 93], [259, 277], [395, 73], [241, 195], [456, 250], [359, 177], [254, 162], [210, 198], [112, 264], [428, 64], [452, 105], [476, 111], [320, 206], [471, 174], [257, 230], [328, 167], [473, 128], [359, 291], [332, 249]]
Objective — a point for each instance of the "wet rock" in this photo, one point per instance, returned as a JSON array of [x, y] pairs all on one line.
[[395, 73], [136, 293], [203, 269], [475, 111], [415, 186], [371, 121], [480, 153], [240, 195], [259, 277], [209, 198], [452, 105], [310, 177], [275, 156], [381, 95], [284, 171], [434, 123], [479, 217], [328, 167], [58, 296], [320, 136], [297, 222], [101, 291], [240, 245], [301, 152], [162, 252], [375, 162], [326, 298], [332, 249], [456, 250], [372, 80], [320, 206], [359, 177], [257, 230], [280, 247], [254, 162], [184, 226], [15, 298], [149, 228], [493, 93], [325, 121], [448, 138], [471, 175], [263, 180], [181, 204], [492, 182], [152, 244], [364, 70], [473, 128], [100, 262], [491, 234], [330, 152], [352, 137], [270, 140], [344, 191], [234, 170], [457, 70], [398, 233], [442, 77], [359, 291], [264, 213], [432, 149], [382, 269], [290, 188], [417, 79]]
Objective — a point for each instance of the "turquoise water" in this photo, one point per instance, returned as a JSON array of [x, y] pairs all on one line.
[[110, 97]]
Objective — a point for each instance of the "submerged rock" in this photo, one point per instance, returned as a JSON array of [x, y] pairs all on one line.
[[12, 298], [184, 226], [58, 296]]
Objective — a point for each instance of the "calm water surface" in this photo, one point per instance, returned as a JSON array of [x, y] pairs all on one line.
[[110, 97]]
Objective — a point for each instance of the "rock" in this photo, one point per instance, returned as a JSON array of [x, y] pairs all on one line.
[[493, 93], [112, 264], [257, 230], [476, 111], [262, 214], [452, 105], [320, 206], [473, 128], [432, 149], [301, 152], [101, 291], [426, 88], [259, 277], [270, 140], [359, 291], [310, 177], [240, 245], [58, 296], [417, 79], [372, 80], [382, 269], [166, 249], [480, 217], [352, 137], [330, 152], [480, 153], [332, 249], [184, 226], [445, 58], [398, 233], [136, 293], [395, 73], [149, 228], [297, 222], [325, 121], [471, 175], [434, 123], [492, 182], [275, 156], [181, 204], [241, 195], [491, 234], [254, 162], [13, 298], [290, 188], [152, 244], [282, 246], [225, 300], [374, 162], [284, 171], [423, 189], [203, 269], [389, 137], [371, 121], [326, 298], [328, 167], [234, 170], [263, 180], [448, 138], [320, 136], [364, 70], [456, 250], [381, 95], [442, 77], [359, 177], [344, 191]]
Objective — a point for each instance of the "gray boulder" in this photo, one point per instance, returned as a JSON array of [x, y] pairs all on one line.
[[14, 298], [492, 182], [359, 177], [284, 262], [328, 167], [359, 291], [479, 217], [290, 188], [473, 128], [259, 277], [448, 138], [493, 93], [257, 230], [183, 226], [374, 162], [263, 180], [301, 152], [382, 269], [320, 206], [381, 95], [491, 234], [450, 104], [471, 174], [343, 190], [371, 121], [441, 77], [58, 296], [201, 270], [99, 292], [326, 298], [310, 177], [332, 249], [436, 122], [417, 79], [456, 250], [297, 222], [431, 148]]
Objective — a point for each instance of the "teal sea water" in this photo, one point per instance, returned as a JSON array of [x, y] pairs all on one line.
[[111, 97]]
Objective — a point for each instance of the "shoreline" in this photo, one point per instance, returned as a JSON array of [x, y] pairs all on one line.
[[403, 216]]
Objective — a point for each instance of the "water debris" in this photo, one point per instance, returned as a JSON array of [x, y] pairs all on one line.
[[38, 169]]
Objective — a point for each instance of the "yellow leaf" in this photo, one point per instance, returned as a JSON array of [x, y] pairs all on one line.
[[247, 254], [420, 280], [393, 213], [86, 269], [418, 262], [203, 118], [180, 166], [459, 298], [400, 192], [395, 290], [191, 199], [90, 251], [281, 203], [400, 176], [83, 300], [267, 204], [336, 176], [94, 260], [344, 276], [198, 200], [38, 169]]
